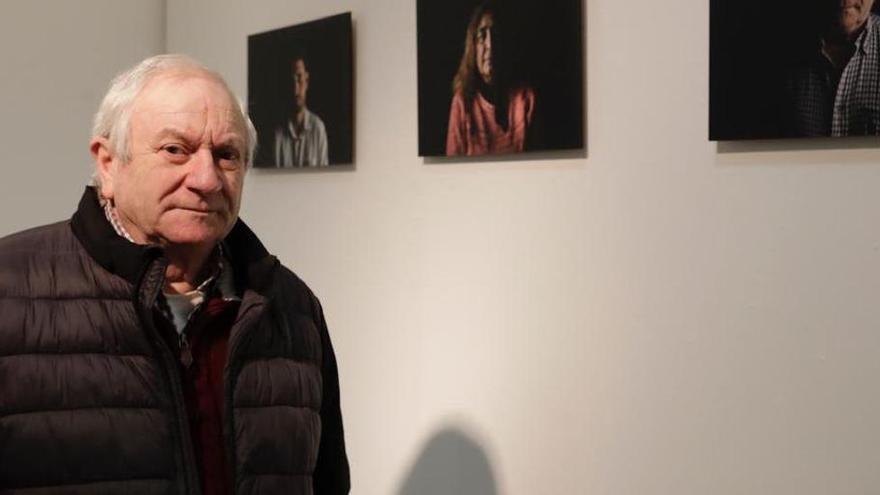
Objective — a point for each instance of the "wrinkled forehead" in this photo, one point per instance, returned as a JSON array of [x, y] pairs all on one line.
[[188, 101], [219, 120]]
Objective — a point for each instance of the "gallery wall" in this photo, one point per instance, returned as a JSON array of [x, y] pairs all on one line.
[[657, 314], [57, 60]]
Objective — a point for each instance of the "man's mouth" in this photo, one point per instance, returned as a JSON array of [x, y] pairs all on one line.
[[199, 210]]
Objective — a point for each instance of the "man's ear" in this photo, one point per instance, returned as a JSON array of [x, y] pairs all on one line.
[[105, 165]]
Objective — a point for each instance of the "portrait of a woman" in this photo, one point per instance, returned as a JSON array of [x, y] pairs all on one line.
[[489, 114]]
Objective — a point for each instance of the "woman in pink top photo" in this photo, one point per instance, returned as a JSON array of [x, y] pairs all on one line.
[[488, 115]]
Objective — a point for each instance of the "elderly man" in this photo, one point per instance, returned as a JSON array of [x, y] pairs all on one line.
[[151, 344], [302, 140], [837, 91]]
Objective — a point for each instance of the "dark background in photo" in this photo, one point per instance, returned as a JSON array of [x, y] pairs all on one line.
[[327, 45], [754, 44], [544, 43]]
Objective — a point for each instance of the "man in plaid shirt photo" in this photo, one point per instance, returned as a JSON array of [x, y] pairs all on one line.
[[837, 91]]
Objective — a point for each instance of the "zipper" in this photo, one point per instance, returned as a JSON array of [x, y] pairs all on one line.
[[154, 276], [186, 357]]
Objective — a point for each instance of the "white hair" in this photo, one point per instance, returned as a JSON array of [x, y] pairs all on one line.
[[114, 115]]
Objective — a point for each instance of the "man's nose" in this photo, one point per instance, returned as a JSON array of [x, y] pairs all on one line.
[[204, 174]]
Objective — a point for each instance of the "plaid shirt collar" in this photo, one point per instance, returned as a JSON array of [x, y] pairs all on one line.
[[865, 41], [113, 218]]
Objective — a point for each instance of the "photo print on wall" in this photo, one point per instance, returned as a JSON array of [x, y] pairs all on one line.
[[793, 68], [500, 77], [300, 94]]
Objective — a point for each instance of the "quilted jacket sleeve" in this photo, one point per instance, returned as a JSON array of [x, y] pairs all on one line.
[[332, 475]]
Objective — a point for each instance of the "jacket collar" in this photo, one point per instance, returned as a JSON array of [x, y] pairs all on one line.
[[252, 264], [114, 253]]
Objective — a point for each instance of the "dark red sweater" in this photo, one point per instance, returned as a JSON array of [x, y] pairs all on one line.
[[208, 336]]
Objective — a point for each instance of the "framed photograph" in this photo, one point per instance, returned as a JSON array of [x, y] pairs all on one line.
[[500, 77], [793, 68], [300, 94]]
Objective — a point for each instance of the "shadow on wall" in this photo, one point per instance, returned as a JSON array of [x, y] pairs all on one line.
[[450, 464]]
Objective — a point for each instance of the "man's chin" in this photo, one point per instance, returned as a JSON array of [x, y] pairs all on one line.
[[195, 236], [851, 24], [193, 228]]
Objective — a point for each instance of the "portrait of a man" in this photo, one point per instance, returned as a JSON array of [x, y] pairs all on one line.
[[301, 140], [300, 93], [794, 69]]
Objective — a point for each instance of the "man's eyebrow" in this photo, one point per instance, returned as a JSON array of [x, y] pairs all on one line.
[[230, 139], [174, 132]]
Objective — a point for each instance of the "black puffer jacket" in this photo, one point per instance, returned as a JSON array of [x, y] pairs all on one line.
[[90, 395]]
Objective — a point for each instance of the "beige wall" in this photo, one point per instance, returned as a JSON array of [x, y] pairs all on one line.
[[662, 316], [57, 60]]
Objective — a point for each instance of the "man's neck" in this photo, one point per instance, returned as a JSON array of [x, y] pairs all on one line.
[[188, 267], [839, 34], [839, 46], [299, 119]]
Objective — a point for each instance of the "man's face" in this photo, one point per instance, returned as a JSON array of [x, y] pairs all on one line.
[[187, 146], [484, 47], [300, 83], [853, 14]]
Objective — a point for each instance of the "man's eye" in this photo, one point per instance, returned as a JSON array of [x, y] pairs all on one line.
[[227, 154], [174, 149]]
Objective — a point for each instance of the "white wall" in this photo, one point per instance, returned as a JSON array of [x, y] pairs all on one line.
[[662, 316], [57, 60]]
